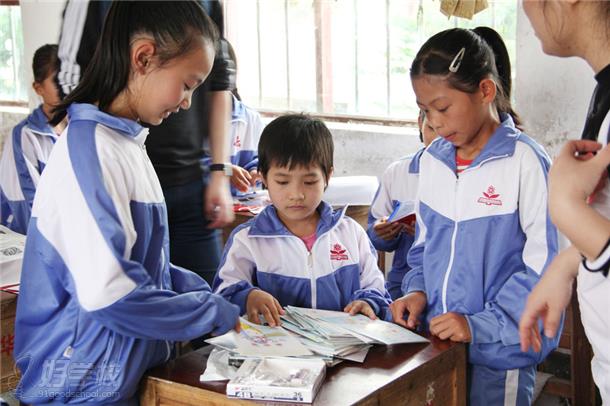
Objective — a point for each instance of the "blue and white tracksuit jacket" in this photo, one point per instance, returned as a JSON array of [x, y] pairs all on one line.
[[483, 240], [24, 157], [341, 266], [246, 129], [99, 300], [398, 184]]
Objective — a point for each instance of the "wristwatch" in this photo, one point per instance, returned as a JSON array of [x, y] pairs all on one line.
[[226, 168]]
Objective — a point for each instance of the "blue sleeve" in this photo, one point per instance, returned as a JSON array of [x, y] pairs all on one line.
[[235, 278], [151, 313], [253, 164], [184, 281], [413, 280], [372, 286]]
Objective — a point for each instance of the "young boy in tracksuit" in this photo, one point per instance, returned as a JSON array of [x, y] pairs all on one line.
[[299, 251], [398, 184]]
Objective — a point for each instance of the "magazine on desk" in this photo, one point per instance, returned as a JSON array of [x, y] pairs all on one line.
[[278, 379], [314, 333]]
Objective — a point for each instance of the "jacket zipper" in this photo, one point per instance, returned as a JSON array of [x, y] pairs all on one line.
[[452, 254], [167, 344], [312, 280]]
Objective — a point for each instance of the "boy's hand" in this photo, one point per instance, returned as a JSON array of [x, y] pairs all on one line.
[[360, 306], [452, 326], [387, 231], [261, 302], [548, 300], [410, 228], [414, 303], [241, 178]]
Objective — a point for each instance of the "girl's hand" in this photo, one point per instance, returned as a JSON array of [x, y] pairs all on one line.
[[360, 306], [261, 302], [218, 201], [387, 231], [452, 326], [574, 178], [241, 178], [548, 300], [254, 177], [414, 303]]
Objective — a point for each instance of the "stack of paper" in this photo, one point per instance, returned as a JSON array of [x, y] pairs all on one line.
[[12, 246], [359, 326], [328, 336], [323, 337]]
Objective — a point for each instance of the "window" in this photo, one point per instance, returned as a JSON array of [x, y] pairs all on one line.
[[12, 86], [341, 57]]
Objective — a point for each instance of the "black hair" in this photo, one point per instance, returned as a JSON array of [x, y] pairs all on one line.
[[485, 56], [174, 26], [420, 119], [45, 62], [296, 140]]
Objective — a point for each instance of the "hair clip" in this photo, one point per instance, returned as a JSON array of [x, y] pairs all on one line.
[[457, 61]]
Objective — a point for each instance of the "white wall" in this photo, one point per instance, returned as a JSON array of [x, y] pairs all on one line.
[[552, 94], [41, 20]]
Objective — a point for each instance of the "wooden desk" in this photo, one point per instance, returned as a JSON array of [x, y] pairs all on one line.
[[409, 374]]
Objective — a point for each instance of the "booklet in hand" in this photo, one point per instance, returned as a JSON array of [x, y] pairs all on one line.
[[404, 213]]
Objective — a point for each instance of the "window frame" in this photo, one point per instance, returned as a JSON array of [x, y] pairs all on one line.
[[12, 103]]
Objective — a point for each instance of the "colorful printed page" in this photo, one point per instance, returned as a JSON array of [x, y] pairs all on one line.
[[257, 340], [403, 212]]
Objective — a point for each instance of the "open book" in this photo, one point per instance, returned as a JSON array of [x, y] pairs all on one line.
[[404, 212]]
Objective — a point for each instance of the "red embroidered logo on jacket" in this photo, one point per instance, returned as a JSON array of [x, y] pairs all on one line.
[[338, 253], [237, 142], [490, 197]]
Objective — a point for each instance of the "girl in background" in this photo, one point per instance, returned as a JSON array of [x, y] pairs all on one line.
[[398, 184], [27, 150]]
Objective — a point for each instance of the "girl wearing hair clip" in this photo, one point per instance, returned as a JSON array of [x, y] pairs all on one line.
[[578, 28], [483, 233]]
